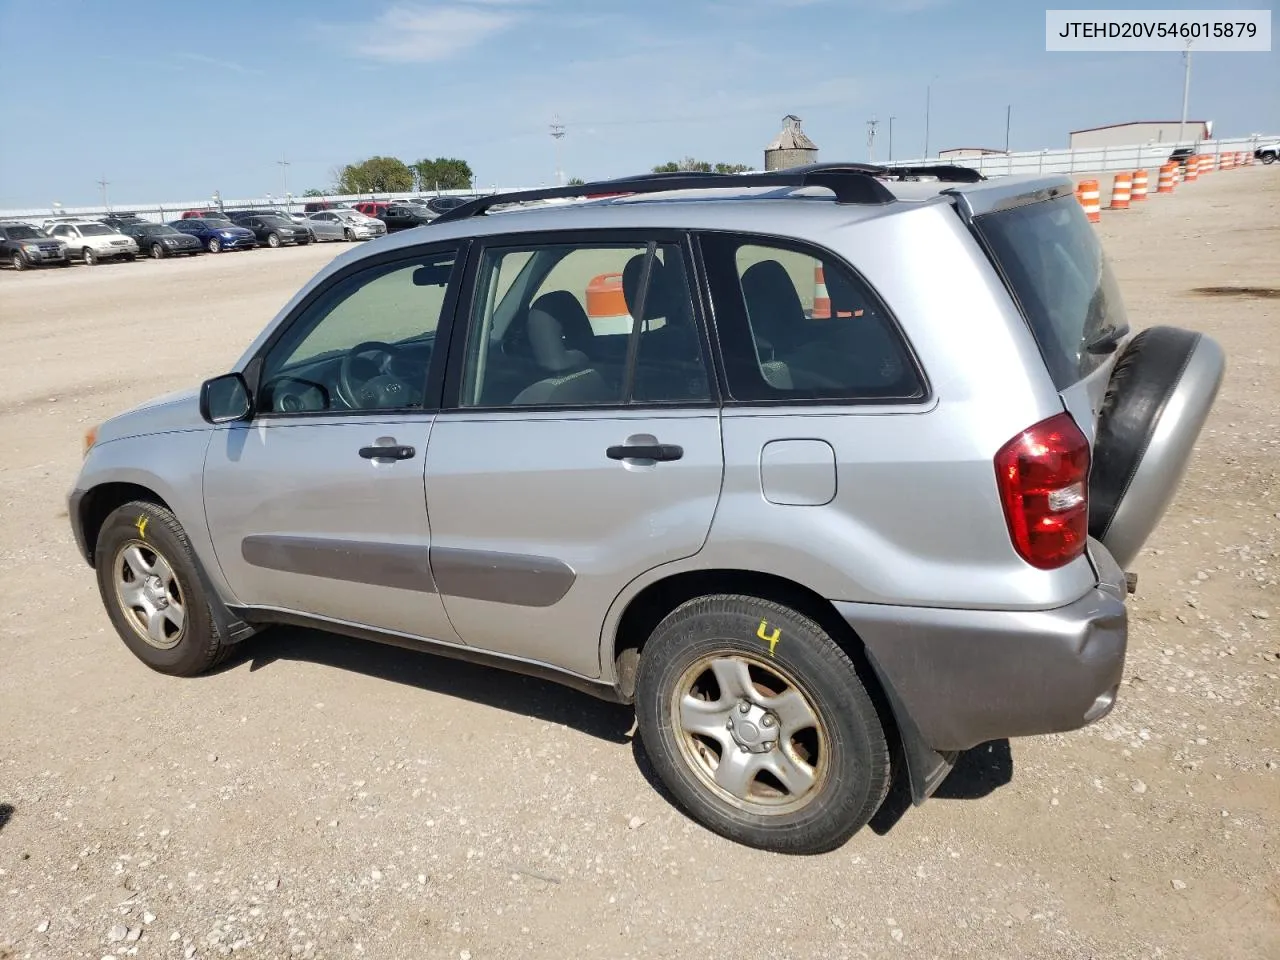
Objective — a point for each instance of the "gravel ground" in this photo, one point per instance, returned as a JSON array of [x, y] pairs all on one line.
[[320, 797]]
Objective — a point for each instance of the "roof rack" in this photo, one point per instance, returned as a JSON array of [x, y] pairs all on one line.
[[851, 183], [946, 172]]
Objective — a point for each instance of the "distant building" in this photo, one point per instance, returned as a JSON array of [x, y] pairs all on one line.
[[1141, 132], [956, 153], [790, 148]]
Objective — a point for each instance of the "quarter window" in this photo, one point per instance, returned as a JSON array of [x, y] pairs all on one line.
[[583, 325], [796, 324]]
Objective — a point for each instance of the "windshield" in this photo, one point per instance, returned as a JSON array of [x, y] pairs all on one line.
[[1056, 270], [22, 233], [157, 230], [95, 230]]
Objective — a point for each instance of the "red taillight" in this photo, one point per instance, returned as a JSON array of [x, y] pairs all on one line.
[[1043, 478]]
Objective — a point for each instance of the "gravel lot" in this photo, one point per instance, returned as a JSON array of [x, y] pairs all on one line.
[[320, 797]]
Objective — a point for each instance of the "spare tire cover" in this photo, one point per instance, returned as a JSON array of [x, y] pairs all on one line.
[[1157, 400]]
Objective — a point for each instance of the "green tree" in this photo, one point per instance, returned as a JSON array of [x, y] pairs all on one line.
[[689, 164], [576, 182], [313, 192], [443, 173], [376, 175]]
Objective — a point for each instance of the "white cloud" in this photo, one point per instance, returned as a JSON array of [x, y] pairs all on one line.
[[422, 34]]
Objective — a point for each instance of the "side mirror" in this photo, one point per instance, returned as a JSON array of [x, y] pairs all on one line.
[[225, 399]]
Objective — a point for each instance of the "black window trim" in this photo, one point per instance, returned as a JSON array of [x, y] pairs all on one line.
[[465, 311], [823, 253], [431, 388]]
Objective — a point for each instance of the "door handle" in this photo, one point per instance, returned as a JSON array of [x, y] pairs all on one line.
[[388, 452], [645, 451]]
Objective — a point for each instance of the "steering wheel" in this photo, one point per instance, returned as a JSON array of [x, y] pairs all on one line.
[[368, 384]]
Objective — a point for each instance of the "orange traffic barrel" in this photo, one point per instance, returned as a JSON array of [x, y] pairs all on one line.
[[1227, 161], [1242, 159], [1165, 183], [1088, 194], [1206, 163], [1121, 188], [1193, 169], [607, 304], [1139, 190]]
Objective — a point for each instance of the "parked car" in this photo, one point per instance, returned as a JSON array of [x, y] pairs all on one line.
[[372, 208], [93, 242], [23, 246], [205, 215], [273, 231], [830, 538], [1268, 152], [446, 203], [119, 220], [1181, 155], [346, 225], [217, 235], [403, 216], [312, 206], [160, 240]]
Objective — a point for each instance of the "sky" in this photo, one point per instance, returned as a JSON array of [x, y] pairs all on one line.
[[171, 101]]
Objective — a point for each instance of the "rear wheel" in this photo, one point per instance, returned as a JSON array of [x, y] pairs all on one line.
[[348, 235], [760, 726], [149, 583], [90, 257], [215, 245]]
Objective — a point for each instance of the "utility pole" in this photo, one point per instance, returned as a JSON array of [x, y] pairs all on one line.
[[284, 175], [1186, 89], [891, 119], [557, 134], [102, 184], [1008, 115], [928, 90], [871, 139]]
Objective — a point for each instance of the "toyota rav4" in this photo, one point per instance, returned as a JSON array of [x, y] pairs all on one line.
[[851, 489]]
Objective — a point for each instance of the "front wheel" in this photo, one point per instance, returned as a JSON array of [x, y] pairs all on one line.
[[18, 260], [157, 252], [760, 726], [90, 257], [1269, 158], [148, 581], [215, 245], [273, 240]]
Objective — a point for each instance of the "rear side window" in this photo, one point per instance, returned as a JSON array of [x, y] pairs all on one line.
[[1055, 268], [796, 324]]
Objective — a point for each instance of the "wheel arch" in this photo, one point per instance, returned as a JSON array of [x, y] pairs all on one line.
[[923, 767], [98, 502]]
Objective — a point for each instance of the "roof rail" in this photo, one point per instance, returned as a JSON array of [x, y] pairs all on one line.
[[946, 172], [851, 183]]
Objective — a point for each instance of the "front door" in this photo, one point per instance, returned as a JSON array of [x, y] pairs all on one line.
[[569, 457], [316, 504]]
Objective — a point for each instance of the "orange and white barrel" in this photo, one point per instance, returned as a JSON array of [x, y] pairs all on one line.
[[1089, 195], [607, 304], [1138, 193], [821, 298], [1193, 169], [1121, 189], [1204, 164], [1228, 161], [1242, 159], [1166, 181]]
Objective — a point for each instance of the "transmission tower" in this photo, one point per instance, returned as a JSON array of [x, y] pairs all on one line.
[[871, 139], [557, 134]]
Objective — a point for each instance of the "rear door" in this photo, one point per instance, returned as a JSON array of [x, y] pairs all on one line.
[[567, 461]]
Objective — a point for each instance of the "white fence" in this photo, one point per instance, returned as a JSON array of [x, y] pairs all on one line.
[[1090, 159], [1085, 160]]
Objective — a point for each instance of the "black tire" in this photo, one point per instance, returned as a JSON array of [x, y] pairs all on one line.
[[1142, 381], [199, 645], [273, 239], [65, 263], [157, 252], [18, 261], [348, 234], [852, 757], [90, 257], [215, 245], [1268, 157], [130, 257]]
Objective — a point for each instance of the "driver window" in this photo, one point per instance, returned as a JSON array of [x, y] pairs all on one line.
[[365, 343]]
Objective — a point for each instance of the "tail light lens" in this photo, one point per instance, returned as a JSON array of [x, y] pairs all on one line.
[[1043, 478]]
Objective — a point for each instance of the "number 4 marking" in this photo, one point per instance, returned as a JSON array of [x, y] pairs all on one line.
[[772, 638]]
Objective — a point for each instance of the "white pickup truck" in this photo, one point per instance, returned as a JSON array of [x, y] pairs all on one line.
[[1268, 151]]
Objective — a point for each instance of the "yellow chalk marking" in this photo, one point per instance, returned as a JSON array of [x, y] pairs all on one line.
[[770, 639], [142, 526]]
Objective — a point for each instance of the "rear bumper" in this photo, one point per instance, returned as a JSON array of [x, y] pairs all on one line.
[[963, 677]]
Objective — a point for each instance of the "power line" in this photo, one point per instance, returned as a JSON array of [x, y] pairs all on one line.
[[103, 183], [557, 134]]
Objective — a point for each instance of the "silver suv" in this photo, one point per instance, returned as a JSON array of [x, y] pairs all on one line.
[[831, 472]]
